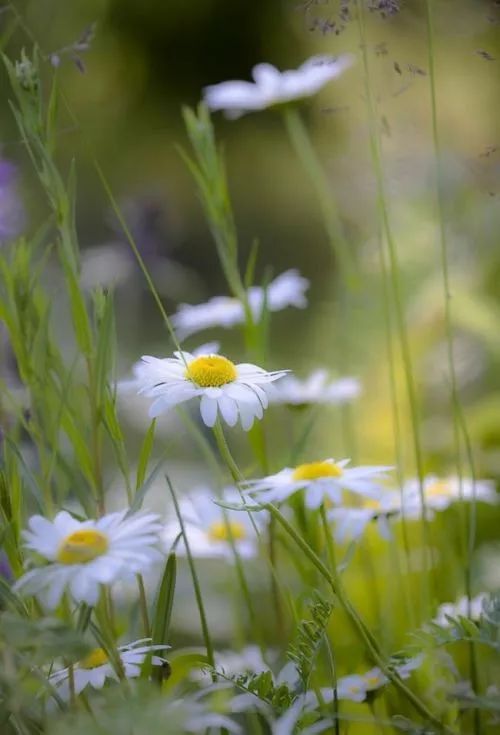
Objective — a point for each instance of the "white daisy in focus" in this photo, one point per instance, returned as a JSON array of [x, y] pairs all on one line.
[[322, 482], [83, 555], [288, 289], [462, 608], [272, 87], [317, 388], [351, 522], [96, 668], [440, 493], [237, 392], [211, 530]]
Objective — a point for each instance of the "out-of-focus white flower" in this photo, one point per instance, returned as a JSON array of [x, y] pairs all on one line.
[[351, 521], [317, 388], [463, 608], [209, 527], [356, 687], [272, 87], [237, 392], [95, 668], [440, 493], [288, 289], [321, 482], [83, 555], [196, 716]]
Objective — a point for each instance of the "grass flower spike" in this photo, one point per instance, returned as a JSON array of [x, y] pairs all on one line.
[[237, 392], [209, 527], [288, 289], [272, 87], [321, 482], [96, 668], [83, 555]]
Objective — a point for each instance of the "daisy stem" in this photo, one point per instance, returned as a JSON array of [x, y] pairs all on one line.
[[143, 603], [304, 149], [225, 453], [366, 635], [397, 290], [194, 576]]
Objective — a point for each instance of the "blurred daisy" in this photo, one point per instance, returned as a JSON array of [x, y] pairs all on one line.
[[272, 87], [317, 388], [12, 213], [210, 528], [462, 608], [83, 555], [95, 668], [351, 522], [321, 482], [237, 392], [288, 289], [440, 493]]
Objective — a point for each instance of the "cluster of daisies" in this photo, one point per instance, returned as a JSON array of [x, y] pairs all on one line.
[[78, 560]]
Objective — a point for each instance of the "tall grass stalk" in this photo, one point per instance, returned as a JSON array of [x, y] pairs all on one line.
[[383, 210], [468, 527]]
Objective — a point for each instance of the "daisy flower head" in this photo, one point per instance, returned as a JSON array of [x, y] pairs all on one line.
[[321, 482], [316, 388], [83, 555], [272, 87], [440, 493], [212, 530], [237, 391], [96, 668], [351, 521], [288, 289]]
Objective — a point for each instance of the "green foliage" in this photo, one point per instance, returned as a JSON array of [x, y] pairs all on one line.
[[309, 637]]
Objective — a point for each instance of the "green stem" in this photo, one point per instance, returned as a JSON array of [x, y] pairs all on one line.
[[396, 285], [305, 151], [143, 603], [363, 631], [196, 584]]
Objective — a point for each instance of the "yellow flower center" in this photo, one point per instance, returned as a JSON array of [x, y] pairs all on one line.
[[219, 531], [354, 688], [211, 371], [315, 470], [372, 504], [439, 488], [82, 546], [373, 681], [97, 657]]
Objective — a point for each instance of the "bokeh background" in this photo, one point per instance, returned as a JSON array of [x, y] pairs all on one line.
[[149, 58]]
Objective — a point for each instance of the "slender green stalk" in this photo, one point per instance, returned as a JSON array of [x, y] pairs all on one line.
[[304, 149], [194, 576], [455, 398], [396, 288], [143, 604], [363, 631]]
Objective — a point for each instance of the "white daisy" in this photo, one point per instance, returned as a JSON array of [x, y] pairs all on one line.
[[321, 482], [272, 87], [238, 392], [83, 555], [95, 668], [209, 527], [350, 521], [462, 608], [288, 289], [317, 388], [440, 493]]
